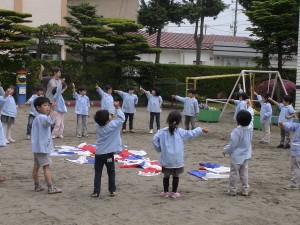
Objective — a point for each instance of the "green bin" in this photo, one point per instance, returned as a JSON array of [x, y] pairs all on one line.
[[256, 123], [209, 115]]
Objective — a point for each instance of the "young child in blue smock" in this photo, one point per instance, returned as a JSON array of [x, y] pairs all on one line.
[[82, 106], [108, 142], [295, 153], [59, 110], [190, 108], [154, 107], [240, 104], [169, 142], [287, 113], [130, 100], [107, 100], [9, 113], [42, 145], [265, 116], [39, 92], [240, 151]]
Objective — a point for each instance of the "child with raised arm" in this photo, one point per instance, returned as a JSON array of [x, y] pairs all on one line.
[[265, 116], [39, 92], [240, 151], [9, 113], [130, 100], [107, 100], [240, 104], [295, 153], [59, 110], [42, 144], [190, 108], [154, 107], [169, 142], [82, 106], [286, 114], [108, 142]]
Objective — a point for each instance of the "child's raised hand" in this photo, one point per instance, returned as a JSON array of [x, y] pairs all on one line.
[[255, 93], [54, 104], [97, 87], [63, 80], [205, 130], [281, 124], [117, 105], [173, 96], [42, 68], [73, 85]]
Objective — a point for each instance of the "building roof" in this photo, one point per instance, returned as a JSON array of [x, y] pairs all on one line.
[[186, 41]]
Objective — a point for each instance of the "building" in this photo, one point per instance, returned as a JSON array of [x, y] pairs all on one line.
[[217, 50]]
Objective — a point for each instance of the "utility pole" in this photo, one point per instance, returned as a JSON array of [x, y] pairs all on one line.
[[205, 28], [235, 18]]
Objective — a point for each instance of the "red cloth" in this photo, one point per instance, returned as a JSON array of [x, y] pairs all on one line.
[[151, 170], [129, 166], [123, 155], [89, 148]]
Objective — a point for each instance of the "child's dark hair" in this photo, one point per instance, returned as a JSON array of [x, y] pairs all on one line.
[[267, 96], [56, 70], [243, 118], [38, 88], [244, 96], [81, 88], [130, 88], [173, 120], [54, 90], [107, 87], [287, 98], [101, 117], [11, 86], [192, 91], [157, 91], [38, 102], [237, 96]]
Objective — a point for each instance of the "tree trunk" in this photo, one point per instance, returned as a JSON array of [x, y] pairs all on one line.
[[199, 40], [280, 58], [158, 38], [40, 45]]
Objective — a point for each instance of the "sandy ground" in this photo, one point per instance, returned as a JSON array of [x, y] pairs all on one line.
[[138, 200]]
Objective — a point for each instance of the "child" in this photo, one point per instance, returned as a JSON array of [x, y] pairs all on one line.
[[82, 106], [154, 107], [240, 104], [9, 113], [295, 153], [265, 116], [170, 143], [42, 144], [2, 136], [59, 110], [107, 101], [240, 150], [190, 109], [39, 92], [286, 115], [251, 111], [130, 100], [108, 142]]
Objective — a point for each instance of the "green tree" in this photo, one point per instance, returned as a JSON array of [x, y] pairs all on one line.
[[14, 36], [275, 26], [156, 15], [46, 42], [195, 12]]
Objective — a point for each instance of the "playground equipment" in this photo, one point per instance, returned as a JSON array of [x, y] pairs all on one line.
[[242, 75]]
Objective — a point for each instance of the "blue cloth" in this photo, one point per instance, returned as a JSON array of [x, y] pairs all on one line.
[[154, 103], [41, 140], [129, 102], [107, 101], [171, 147], [32, 110], [265, 110], [9, 108], [190, 107], [108, 136], [197, 173], [240, 105], [240, 147], [134, 157], [82, 104], [58, 98], [285, 111], [295, 143], [210, 165]]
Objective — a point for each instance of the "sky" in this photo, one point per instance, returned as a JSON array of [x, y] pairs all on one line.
[[220, 26]]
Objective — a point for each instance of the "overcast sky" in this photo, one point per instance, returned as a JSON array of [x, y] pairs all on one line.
[[220, 26]]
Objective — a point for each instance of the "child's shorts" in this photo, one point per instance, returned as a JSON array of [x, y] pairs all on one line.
[[172, 171], [7, 119], [42, 159]]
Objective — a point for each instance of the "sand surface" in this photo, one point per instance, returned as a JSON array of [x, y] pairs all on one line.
[[138, 198]]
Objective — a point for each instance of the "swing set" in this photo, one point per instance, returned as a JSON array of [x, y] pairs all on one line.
[[242, 75]]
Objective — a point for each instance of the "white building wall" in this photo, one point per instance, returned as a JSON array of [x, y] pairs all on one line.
[[7, 4]]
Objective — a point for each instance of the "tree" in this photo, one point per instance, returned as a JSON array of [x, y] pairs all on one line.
[[14, 36], [195, 12], [156, 15], [275, 24], [45, 35]]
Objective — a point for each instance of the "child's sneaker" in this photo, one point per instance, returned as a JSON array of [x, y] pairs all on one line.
[[244, 193], [165, 194], [7, 141], [28, 137], [289, 187], [54, 191], [151, 131], [95, 195], [11, 140], [231, 193], [112, 194], [39, 188], [287, 146], [60, 136], [280, 146], [79, 136], [85, 135], [132, 131], [53, 137], [175, 195], [123, 131]]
